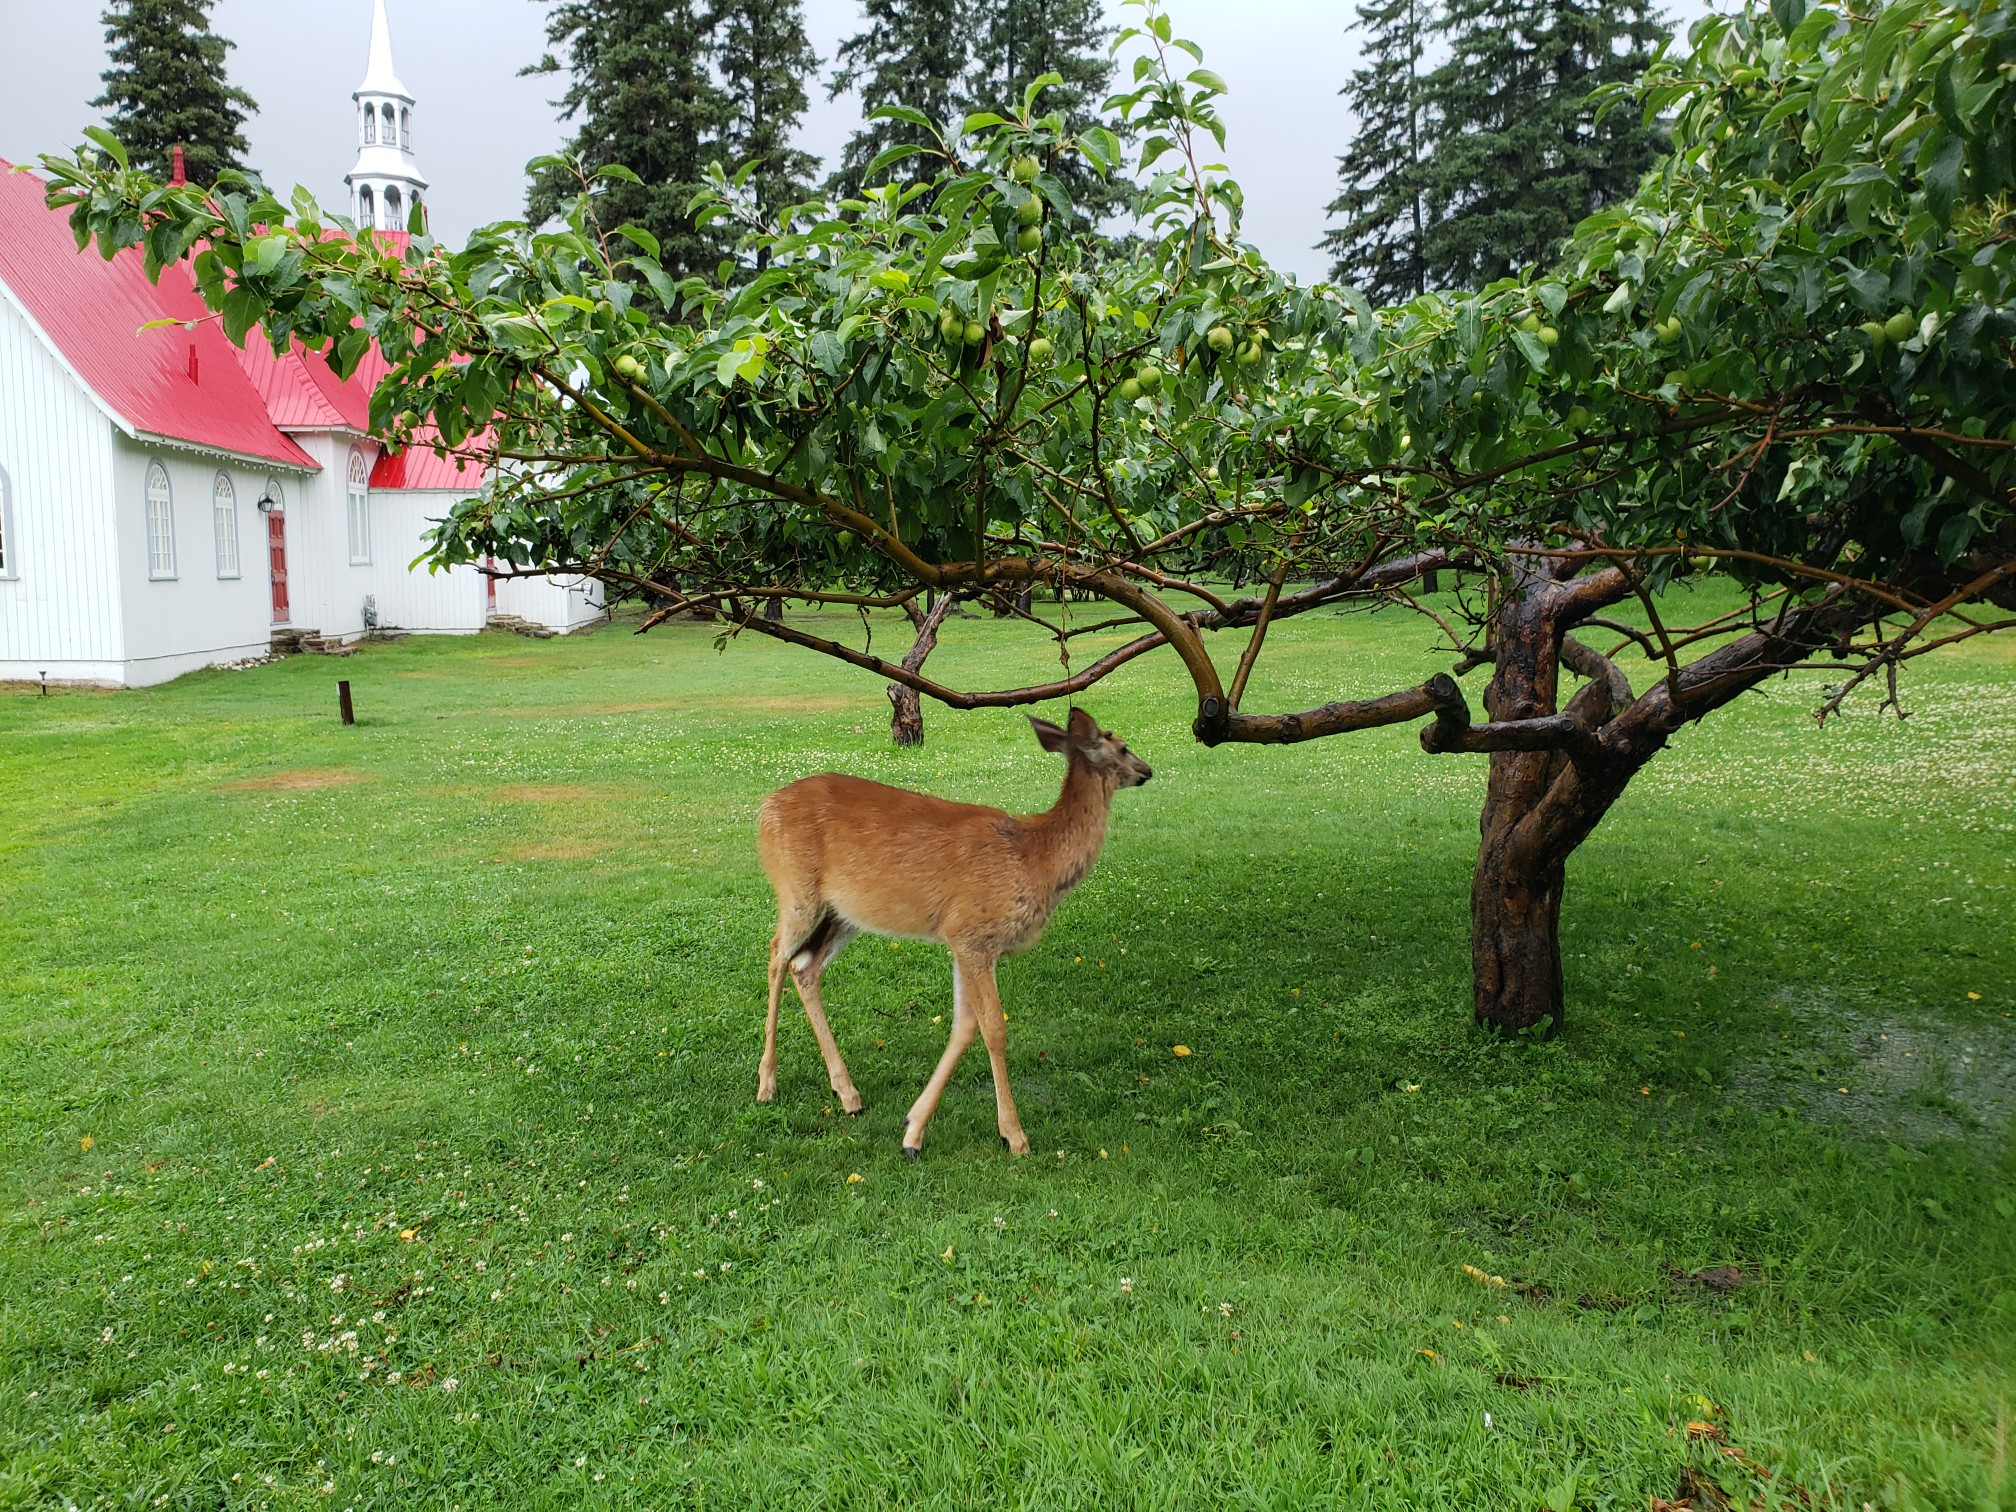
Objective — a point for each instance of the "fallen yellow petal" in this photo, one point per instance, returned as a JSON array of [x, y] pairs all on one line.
[[1102, 1154], [948, 1253], [853, 1177], [87, 1141], [1972, 997], [1179, 1051], [409, 1235]]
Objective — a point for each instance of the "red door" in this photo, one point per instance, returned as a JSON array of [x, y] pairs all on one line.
[[276, 554]]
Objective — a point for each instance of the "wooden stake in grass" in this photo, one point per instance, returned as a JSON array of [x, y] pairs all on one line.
[[343, 702]]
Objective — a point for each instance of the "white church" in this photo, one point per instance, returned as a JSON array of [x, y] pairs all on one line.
[[169, 502]]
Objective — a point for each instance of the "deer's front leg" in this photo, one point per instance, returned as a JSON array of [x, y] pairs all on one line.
[[964, 1026], [994, 1029]]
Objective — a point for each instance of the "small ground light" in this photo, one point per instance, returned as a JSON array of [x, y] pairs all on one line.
[[45, 683]]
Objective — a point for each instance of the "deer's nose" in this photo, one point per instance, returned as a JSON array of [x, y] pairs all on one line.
[[1146, 772]]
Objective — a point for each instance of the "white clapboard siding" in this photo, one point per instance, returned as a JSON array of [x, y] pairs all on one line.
[[450, 601], [59, 606], [558, 603]]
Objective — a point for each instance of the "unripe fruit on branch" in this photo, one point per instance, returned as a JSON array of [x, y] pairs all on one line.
[[1150, 378], [1548, 335], [1025, 169], [1030, 240], [1130, 389], [1040, 349], [1220, 339], [1029, 212], [1250, 354], [975, 333], [630, 368], [1874, 330], [1577, 418], [1529, 322], [1899, 327], [1668, 329]]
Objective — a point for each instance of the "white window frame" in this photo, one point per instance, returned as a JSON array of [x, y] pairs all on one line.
[[224, 525], [160, 521], [357, 514], [395, 208], [367, 208], [10, 544], [405, 128], [370, 125]]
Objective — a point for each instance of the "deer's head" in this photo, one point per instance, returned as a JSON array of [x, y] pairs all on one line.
[[1100, 750]]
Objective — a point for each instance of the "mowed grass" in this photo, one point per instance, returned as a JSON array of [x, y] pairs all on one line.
[[376, 1119]]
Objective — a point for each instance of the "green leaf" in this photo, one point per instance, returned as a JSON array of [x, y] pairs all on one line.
[[1942, 178], [1532, 349], [618, 171], [1204, 78], [641, 237], [1102, 147], [242, 311], [979, 119], [903, 113], [112, 145], [1036, 86]]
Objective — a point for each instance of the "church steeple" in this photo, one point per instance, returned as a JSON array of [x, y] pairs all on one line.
[[386, 183]]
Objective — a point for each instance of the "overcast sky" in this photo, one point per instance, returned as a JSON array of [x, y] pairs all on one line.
[[477, 124]]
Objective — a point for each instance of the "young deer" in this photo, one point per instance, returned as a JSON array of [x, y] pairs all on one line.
[[846, 855]]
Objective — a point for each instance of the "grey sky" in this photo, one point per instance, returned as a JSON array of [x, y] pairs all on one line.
[[477, 123]]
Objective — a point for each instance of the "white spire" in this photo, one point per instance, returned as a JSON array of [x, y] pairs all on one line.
[[381, 78]]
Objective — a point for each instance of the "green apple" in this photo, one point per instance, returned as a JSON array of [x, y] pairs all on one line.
[[1029, 212], [1220, 339], [975, 333], [1025, 169], [1578, 418], [1529, 322], [1029, 240], [1899, 327], [1130, 389], [1875, 331], [630, 368], [1150, 378], [1548, 335], [1211, 472], [1250, 354], [1040, 349]]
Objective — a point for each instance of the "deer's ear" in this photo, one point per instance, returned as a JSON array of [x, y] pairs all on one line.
[[1084, 729], [1052, 739]]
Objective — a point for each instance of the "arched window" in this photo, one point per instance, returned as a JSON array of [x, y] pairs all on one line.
[[370, 127], [160, 523], [224, 522], [394, 220], [360, 510], [406, 130], [10, 552], [367, 207], [273, 499], [391, 131]]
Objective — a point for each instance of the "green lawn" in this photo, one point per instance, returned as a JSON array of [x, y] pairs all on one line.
[[376, 1119]]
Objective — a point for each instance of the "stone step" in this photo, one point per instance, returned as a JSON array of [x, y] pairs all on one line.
[[517, 626]]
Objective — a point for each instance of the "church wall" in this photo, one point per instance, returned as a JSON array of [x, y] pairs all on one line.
[[558, 603], [59, 603], [197, 618], [453, 600], [331, 588]]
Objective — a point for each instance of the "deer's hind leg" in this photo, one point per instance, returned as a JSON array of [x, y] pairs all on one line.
[[808, 964]]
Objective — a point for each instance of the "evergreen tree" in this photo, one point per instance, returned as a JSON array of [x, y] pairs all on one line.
[[1017, 41], [913, 53], [1516, 158], [643, 95], [1380, 246], [764, 60], [166, 87]]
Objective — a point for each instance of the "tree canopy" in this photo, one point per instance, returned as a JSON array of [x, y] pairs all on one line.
[[1787, 357], [167, 88]]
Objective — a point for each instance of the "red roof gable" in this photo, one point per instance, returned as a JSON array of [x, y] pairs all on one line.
[[180, 384], [417, 466]]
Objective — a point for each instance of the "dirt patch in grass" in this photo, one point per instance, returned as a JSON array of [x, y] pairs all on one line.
[[559, 792], [297, 782], [1850, 1062], [556, 850]]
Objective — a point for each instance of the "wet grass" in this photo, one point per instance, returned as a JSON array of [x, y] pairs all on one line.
[[376, 1123]]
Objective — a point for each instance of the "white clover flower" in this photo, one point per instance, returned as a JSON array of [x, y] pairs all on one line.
[[1126, 1286]]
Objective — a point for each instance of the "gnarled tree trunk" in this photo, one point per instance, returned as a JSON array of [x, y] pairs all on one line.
[[906, 721]]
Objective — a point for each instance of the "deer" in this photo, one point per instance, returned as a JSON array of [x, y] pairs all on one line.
[[847, 856]]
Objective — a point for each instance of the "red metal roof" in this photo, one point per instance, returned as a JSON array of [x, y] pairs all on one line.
[[183, 384], [418, 467]]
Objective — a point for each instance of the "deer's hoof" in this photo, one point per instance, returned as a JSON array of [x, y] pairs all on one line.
[[913, 1152]]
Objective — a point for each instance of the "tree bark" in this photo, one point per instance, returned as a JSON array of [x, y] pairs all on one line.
[[773, 610], [906, 721]]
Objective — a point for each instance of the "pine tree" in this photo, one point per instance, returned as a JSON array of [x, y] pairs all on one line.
[[1380, 247], [764, 60], [643, 94], [166, 87], [1516, 157], [1017, 41], [913, 53]]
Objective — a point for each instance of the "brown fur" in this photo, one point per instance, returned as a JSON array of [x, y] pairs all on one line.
[[847, 855]]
